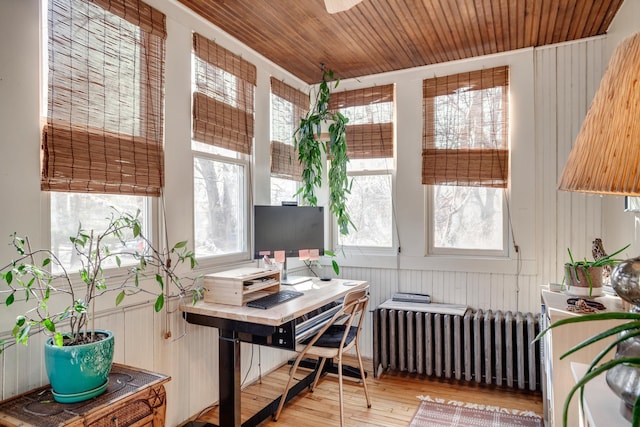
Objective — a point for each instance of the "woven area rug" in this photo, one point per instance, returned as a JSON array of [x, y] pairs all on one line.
[[451, 413]]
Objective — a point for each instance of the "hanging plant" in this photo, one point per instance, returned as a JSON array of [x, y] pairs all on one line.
[[312, 149]]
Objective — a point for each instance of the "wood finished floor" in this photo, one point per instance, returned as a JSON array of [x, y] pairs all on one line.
[[393, 397]]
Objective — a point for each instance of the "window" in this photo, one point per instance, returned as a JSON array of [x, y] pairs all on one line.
[[220, 207], [102, 141], [465, 160], [223, 103], [288, 105], [68, 210], [370, 138]]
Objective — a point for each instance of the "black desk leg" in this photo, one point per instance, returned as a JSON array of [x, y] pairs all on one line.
[[229, 378]]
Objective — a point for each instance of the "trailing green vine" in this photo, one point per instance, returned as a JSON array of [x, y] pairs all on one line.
[[311, 151]]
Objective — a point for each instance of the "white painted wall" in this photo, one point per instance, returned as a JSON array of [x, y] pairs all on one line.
[[551, 88]]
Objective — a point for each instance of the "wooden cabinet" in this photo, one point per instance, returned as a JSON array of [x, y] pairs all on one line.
[[557, 376], [237, 287], [134, 398]]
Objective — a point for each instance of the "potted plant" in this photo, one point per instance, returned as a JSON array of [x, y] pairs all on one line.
[[582, 277], [312, 149], [41, 280]]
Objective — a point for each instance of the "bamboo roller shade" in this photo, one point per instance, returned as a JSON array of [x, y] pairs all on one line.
[[104, 130], [284, 158], [465, 134], [223, 103], [372, 139]]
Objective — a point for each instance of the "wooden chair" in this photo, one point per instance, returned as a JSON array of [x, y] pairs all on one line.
[[339, 335]]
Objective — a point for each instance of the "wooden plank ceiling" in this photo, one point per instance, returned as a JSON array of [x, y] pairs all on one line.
[[377, 36]]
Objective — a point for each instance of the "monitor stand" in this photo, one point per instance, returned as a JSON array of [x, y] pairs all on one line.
[[291, 280]]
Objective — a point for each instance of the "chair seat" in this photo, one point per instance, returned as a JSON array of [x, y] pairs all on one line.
[[328, 343], [332, 337]]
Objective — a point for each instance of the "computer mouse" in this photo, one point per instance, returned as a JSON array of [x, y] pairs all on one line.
[[325, 278]]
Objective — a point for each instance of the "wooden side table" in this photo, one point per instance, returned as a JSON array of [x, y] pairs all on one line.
[[134, 398]]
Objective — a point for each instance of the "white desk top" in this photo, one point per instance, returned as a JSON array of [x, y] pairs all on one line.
[[601, 405], [317, 293]]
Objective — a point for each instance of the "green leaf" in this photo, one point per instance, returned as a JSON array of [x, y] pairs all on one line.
[[160, 281], [119, 298], [49, 325], [136, 229], [336, 267], [8, 277], [80, 306], [58, 339], [22, 336], [159, 303], [118, 261], [46, 262], [20, 321], [10, 299], [180, 244]]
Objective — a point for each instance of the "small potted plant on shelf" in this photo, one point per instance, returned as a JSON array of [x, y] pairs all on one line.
[[78, 356], [583, 277]]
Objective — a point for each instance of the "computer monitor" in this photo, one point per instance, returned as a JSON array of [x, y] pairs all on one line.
[[289, 229]]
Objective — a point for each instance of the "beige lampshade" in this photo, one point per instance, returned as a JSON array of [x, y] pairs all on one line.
[[605, 158], [335, 6]]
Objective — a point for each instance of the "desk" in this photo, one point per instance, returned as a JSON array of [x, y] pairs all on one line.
[[265, 327]]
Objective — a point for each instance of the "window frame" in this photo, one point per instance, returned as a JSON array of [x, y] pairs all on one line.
[[294, 99], [429, 191], [370, 97], [150, 214], [431, 249], [372, 250], [245, 163]]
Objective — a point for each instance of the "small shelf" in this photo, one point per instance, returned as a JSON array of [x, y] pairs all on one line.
[[237, 287], [258, 284]]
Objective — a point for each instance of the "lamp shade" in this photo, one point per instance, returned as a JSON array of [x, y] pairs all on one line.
[[605, 158], [335, 6]]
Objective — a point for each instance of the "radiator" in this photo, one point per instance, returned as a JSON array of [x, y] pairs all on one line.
[[489, 347]]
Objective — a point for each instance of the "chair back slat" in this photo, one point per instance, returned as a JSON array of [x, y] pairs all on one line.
[[353, 305]]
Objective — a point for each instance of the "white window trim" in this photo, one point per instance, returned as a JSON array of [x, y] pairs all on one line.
[[483, 253], [228, 259], [357, 250]]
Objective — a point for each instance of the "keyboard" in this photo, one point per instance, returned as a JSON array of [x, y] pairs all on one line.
[[274, 299]]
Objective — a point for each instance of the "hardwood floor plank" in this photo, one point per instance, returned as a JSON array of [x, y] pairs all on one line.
[[394, 398]]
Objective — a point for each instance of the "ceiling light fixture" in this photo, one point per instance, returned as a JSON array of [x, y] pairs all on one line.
[[335, 6]]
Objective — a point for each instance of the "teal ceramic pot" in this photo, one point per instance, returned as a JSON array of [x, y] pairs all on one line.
[[79, 372]]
